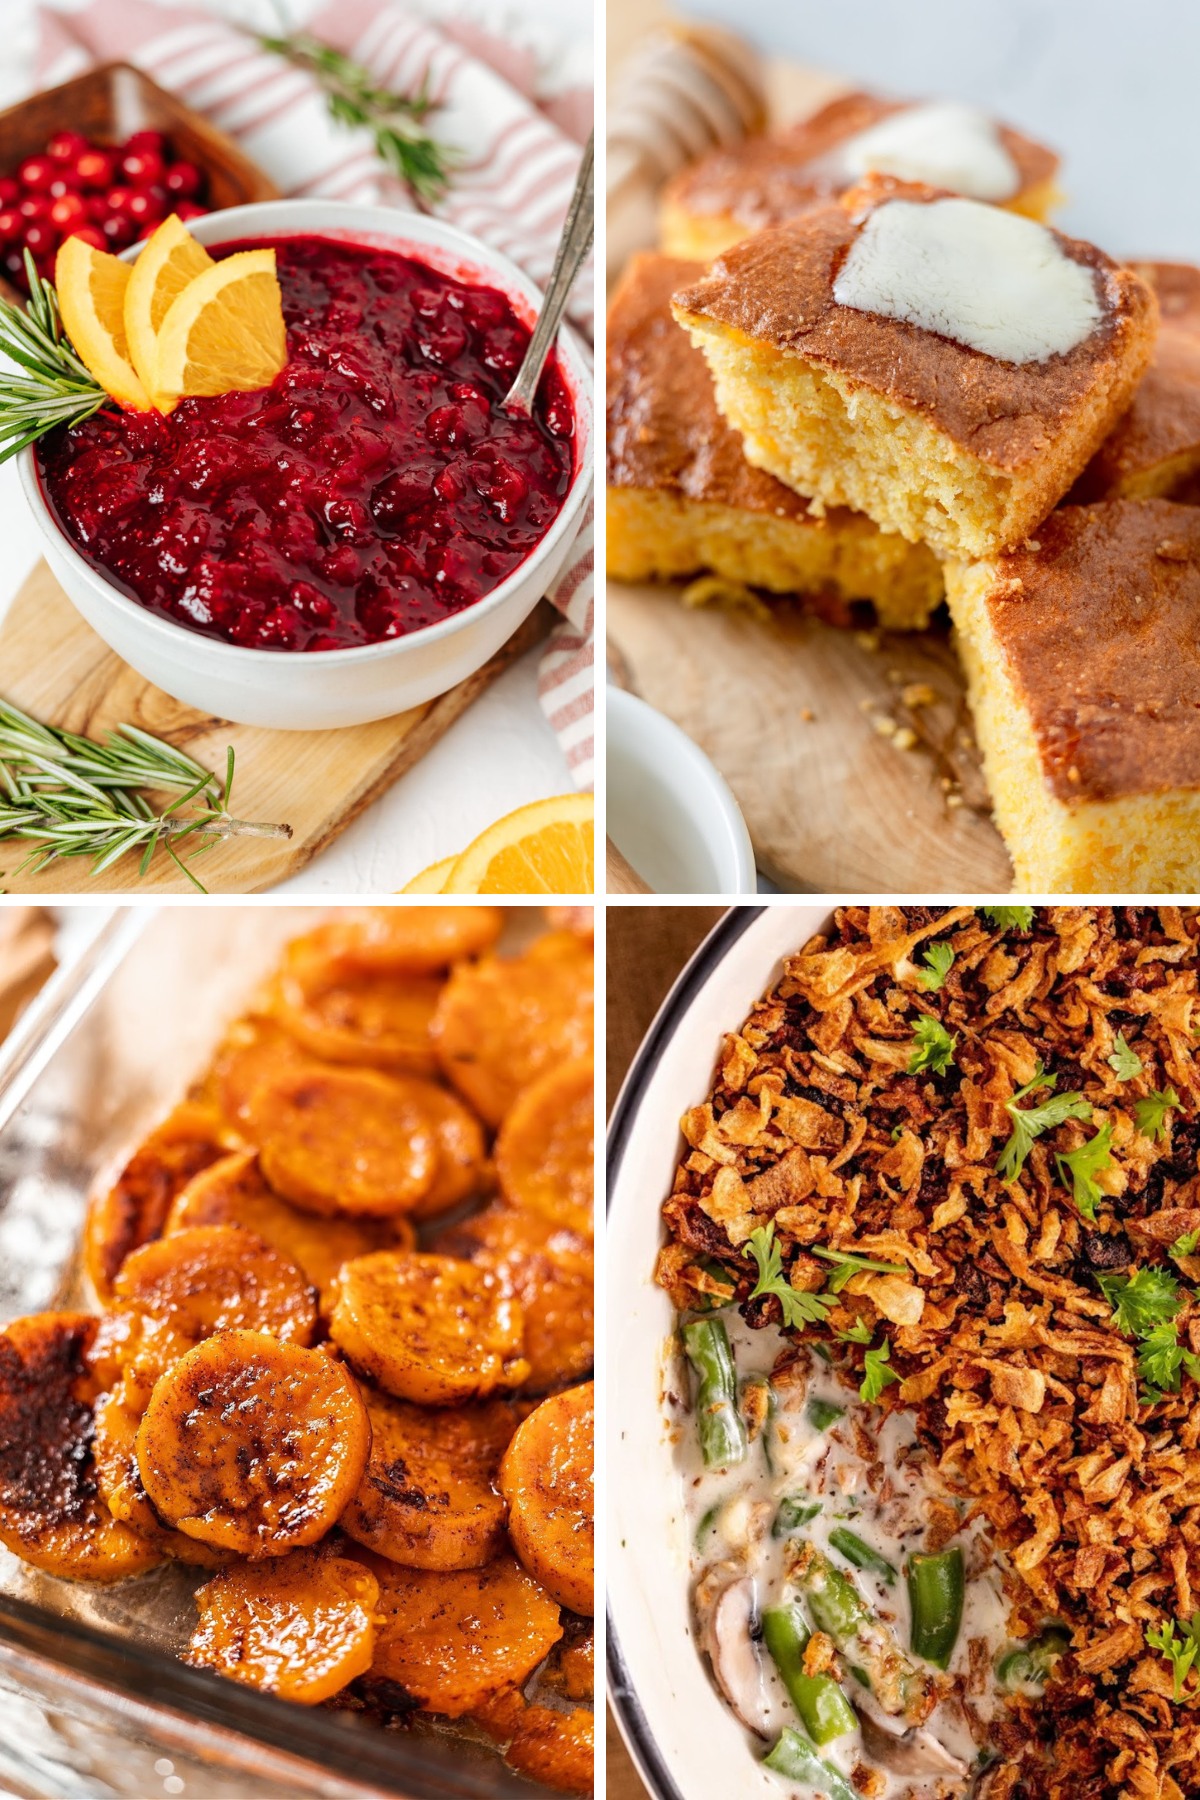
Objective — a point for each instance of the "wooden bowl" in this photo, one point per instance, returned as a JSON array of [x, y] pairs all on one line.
[[108, 104]]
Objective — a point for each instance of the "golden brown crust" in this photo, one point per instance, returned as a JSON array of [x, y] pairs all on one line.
[[776, 290], [768, 179], [1155, 447], [1098, 629], [664, 429]]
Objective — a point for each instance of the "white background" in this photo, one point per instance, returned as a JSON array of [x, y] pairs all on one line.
[[501, 753]]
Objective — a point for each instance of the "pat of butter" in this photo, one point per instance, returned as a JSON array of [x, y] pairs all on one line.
[[989, 279], [943, 144]]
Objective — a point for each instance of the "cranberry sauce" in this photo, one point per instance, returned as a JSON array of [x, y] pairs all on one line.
[[376, 486]]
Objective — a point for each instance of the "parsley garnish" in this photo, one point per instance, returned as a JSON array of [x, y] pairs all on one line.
[[1125, 1061], [933, 1047], [1140, 1301], [849, 1265], [1185, 1244], [1161, 1360], [1151, 1113], [1080, 1166], [1029, 1122], [799, 1308], [938, 959], [1009, 918], [1179, 1642], [859, 1333], [876, 1372]]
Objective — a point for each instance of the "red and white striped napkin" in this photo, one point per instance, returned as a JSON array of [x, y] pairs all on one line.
[[518, 142]]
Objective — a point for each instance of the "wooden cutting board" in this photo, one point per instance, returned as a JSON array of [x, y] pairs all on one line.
[[54, 667], [794, 713]]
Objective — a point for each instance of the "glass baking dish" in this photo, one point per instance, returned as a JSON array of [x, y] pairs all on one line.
[[92, 1699]]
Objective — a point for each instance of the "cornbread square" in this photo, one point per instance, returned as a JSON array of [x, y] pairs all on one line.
[[1083, 670], [929, 436], [770, 178], [1154, 451], [682, 498]]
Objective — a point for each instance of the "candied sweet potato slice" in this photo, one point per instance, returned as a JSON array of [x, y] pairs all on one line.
[[464, 1169], [556, 1748], [188, 1286], [429, 1498], [428, 1328], [253, 1445], [450, 1637], [345, 1140], [301, 1627], [550, 1271], [252, 1053], [235, 1192], [398, 940], [119, 1481], [577, 1665], [544, 1153], [134, 1209], [504, 1021], [50, 1511], [546, 1477], [377, 1021]]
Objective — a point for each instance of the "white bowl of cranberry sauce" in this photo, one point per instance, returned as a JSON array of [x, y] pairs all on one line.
[[360, 536]]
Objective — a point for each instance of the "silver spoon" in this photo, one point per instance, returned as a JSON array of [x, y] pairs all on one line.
[[578, 231]]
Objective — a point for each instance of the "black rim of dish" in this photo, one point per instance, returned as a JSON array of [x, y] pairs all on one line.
[[712, 951]]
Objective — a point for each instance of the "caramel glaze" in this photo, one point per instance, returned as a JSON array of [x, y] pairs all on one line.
[[1098, 631], [777, 289], [46, 1425], [1164, 420], [768, 179], [664, 430]]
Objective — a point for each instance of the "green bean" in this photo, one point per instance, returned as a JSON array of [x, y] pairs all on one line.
[[936, 1591], [765, 1434], [821, 1414], [718, 1422], [824, 1710], [794, 1511], [836, 1607], [857, 1551], [705, 1527], [1033, 1661], [796, 1759]]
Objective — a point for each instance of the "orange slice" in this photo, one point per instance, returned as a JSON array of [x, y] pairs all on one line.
[[224, 332], [431, 880], [169, 260], [91, 298], [547, 847]]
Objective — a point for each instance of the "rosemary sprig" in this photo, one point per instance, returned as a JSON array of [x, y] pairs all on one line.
[[395, 121], [75, 797], [55, 388]]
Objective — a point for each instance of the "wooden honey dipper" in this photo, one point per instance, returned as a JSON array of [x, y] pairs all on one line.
[[688, 88]]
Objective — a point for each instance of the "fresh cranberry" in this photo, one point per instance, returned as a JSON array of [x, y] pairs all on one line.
[[96, 208], [118, 233], [14, 267], [11, 224], [91, 234], [34, 206], [95, 168], [182, 179], [142, 168], [117, 200], [146, 140], [65, 146], [10, 190], [143, 208], [40, 238], [188, 209], [68, 214], [36, 173]]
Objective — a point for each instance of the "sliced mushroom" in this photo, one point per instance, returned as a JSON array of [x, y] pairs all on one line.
[[728, 1616], [915, 1752]]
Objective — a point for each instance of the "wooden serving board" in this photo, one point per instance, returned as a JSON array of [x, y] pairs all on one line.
[[787, 706], [54, 667]]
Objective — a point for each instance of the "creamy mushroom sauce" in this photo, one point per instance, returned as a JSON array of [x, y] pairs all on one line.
[[871, 1479]]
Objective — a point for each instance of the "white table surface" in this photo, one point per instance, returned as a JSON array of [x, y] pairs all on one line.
[[498, 756]]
